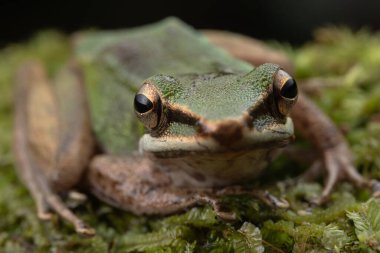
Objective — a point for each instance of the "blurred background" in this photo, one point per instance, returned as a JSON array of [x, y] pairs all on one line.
[[291, 21]]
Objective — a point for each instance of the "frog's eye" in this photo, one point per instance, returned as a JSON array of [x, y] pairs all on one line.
[[286, 92], [148, 106], [142, 103]]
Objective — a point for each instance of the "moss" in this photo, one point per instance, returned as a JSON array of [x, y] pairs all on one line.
[[345, 63]]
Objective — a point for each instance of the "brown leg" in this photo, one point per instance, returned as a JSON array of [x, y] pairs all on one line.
[[338, 165], [134, 184], [335, 154], [42, 161], [248, 49]]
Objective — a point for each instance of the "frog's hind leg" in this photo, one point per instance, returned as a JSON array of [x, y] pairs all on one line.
[[50, 160], [335, 157], [248, 49]]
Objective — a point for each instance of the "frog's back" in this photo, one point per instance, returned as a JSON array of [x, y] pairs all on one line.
[[166, 47], [117, 62]]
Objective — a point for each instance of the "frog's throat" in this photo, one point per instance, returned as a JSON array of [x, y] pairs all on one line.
[[275, 136]]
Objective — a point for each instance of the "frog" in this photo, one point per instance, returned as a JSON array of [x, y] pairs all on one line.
[[157, 119]]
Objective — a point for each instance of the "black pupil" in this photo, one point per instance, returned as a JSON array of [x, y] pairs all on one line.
[[142, 103], [289, 89]]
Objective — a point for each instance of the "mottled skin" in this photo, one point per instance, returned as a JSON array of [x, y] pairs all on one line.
[[213, 122]]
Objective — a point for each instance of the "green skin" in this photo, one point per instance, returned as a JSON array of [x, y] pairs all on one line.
[[122, 61], [230, 88], [217, 88], [216, 122]]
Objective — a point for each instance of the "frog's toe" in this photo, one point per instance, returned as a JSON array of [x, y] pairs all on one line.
[[270, 199], [84, 230], [226, 216], [375, 187], [319, 200], [217, 205], [57, 205], [339, 167], [279, 203], [43, 214], [47, 200]]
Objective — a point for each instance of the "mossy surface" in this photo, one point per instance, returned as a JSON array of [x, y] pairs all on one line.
[[340, 70]]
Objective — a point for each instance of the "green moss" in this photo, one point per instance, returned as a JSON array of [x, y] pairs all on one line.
[[345, 63], [367, 223]]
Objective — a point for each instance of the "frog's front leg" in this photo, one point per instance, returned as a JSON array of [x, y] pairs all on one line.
[[136, 184], [335, 154], [52, 138]]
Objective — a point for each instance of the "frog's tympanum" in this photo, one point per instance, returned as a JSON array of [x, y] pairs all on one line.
[[157, 119]]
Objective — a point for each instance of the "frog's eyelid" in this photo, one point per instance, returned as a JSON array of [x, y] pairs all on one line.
[[286, 92], [148, 106]]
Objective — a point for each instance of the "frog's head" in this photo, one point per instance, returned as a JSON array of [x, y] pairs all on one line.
[[216, 113]]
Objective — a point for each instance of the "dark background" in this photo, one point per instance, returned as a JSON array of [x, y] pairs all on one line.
[[291, 21]]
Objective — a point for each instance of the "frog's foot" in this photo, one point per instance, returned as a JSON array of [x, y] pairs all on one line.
[[337, 163], [45, 164], [217, 205], [42, 193], [215, 200], [59, 207], [263, 196]]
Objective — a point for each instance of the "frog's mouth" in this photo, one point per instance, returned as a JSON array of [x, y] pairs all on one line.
[[228, 136]]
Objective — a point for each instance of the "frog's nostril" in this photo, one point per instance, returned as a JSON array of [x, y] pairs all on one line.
[[225, 132]]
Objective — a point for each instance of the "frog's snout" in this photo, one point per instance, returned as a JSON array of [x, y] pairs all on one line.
[[225, 132]]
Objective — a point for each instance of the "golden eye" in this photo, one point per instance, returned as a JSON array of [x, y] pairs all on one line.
[[286, 92], [148, 106]]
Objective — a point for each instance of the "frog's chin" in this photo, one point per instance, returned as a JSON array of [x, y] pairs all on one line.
[[273, 136]]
